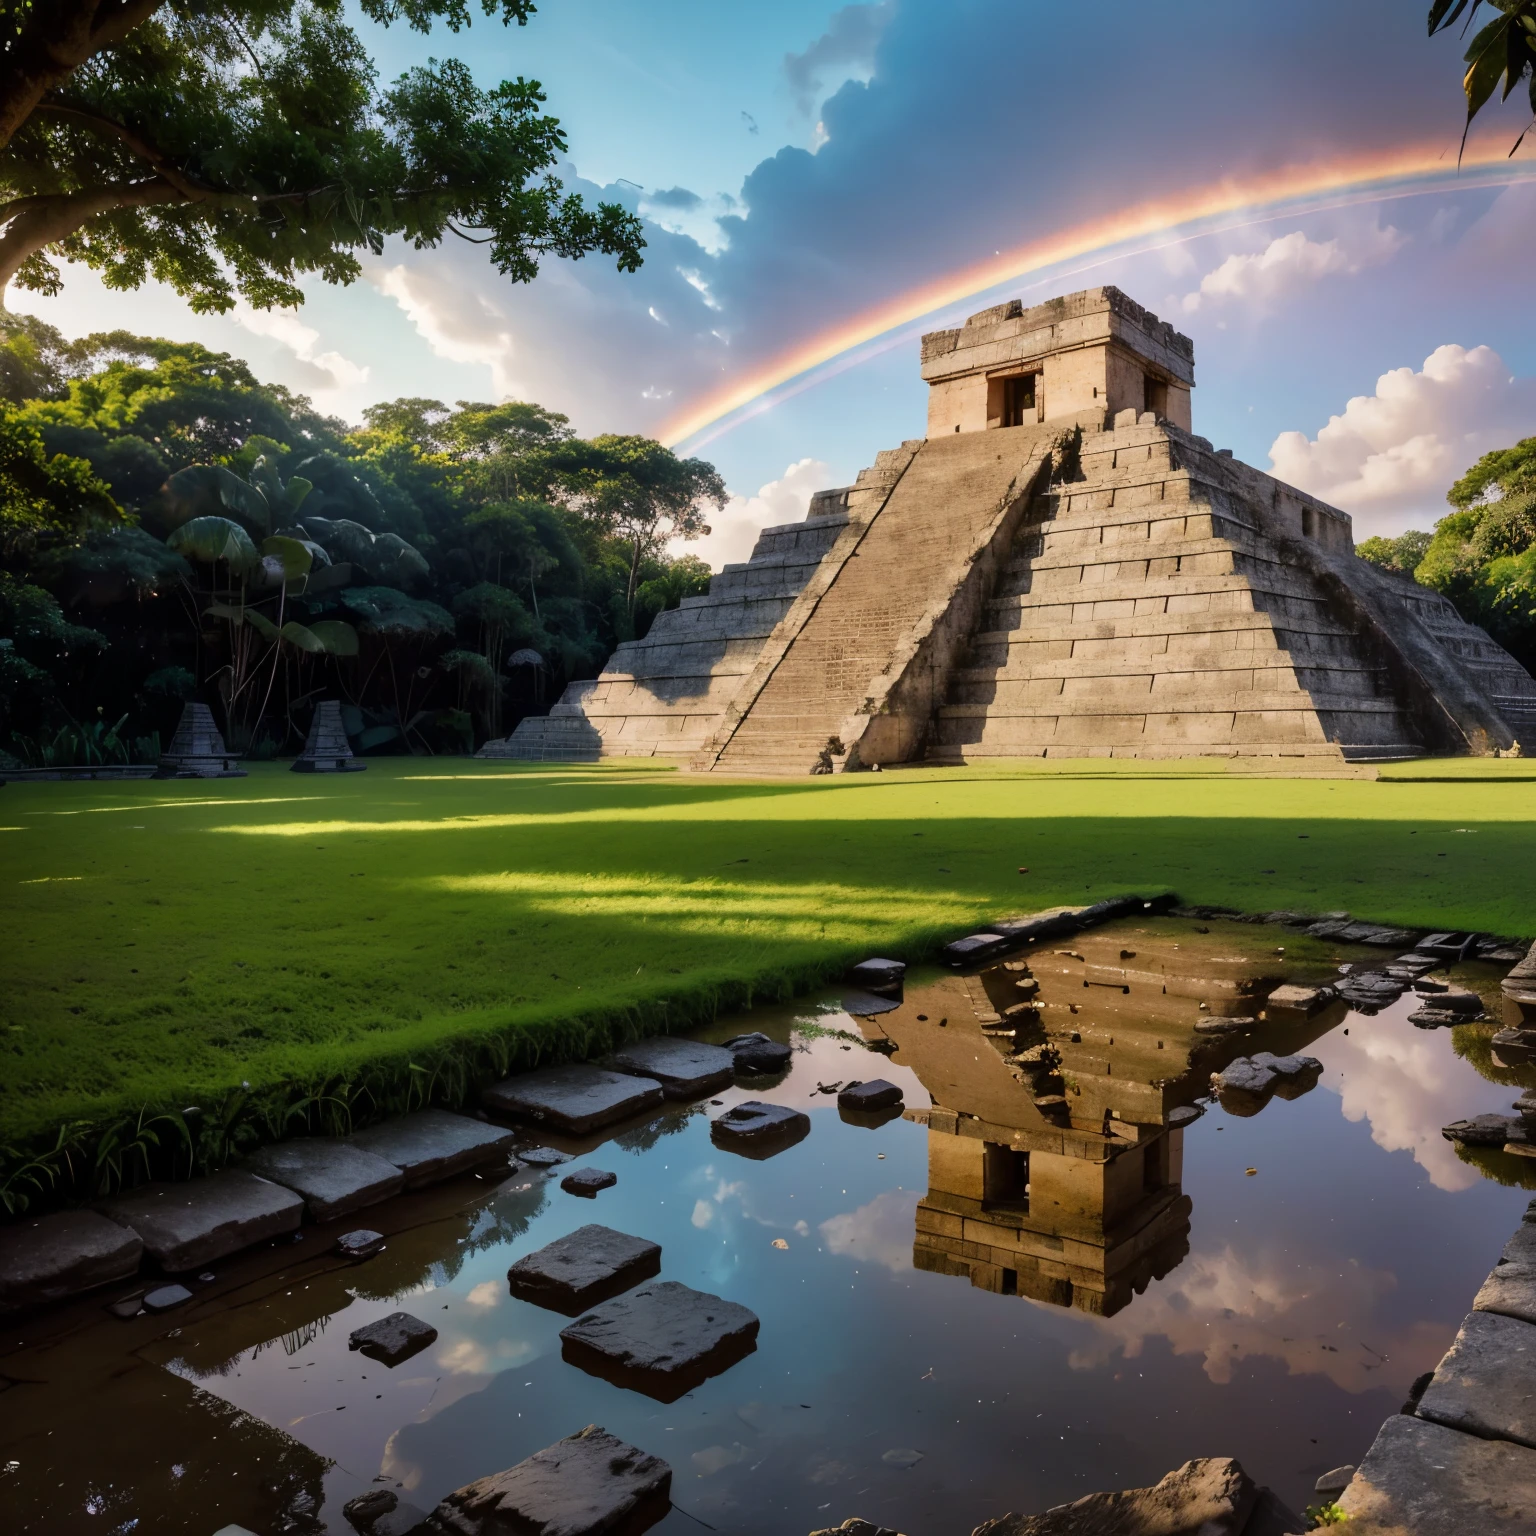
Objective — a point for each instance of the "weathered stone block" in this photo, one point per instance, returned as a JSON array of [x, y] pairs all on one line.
[[1422, 1479], [187, 1226], [332, 1176], [874, 1095], [1486, 1384], [1212, 1497], [393, 1339], [756, 1129], [46, 1258], [583, 1268], [575, 1099], [432, 1145], [686, 1069], [662, 1340], [588, 1182], [585, 1485]]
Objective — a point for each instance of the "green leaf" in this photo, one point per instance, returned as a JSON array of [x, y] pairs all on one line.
[[1438, 17], [296, 559], [1485, 63], [262, 624], [302, 639], [336, 636], [376, 736], [203, 490], [226, 611], [210, 539], [298, 489]]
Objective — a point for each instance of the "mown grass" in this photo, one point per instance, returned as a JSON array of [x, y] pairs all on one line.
[[163, 944]]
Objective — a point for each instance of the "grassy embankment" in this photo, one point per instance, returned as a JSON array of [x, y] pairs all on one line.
[[365, 942]]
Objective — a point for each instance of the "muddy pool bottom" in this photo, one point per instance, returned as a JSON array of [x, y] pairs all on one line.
[[987, 1304]]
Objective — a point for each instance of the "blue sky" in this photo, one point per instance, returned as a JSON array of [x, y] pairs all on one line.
[[801, 163]]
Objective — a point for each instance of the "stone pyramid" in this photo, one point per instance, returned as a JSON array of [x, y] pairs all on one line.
[[326, 749], [1061, 568], [197, 750]]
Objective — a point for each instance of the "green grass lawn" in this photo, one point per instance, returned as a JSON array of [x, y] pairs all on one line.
[[166, 942]]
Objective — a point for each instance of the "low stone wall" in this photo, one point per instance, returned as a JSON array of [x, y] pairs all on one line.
[[1461, 1456]]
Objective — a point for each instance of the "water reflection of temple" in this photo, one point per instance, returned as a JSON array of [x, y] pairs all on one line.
[[1055, 1140]]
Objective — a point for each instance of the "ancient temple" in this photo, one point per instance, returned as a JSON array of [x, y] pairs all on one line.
[[1060, 568]]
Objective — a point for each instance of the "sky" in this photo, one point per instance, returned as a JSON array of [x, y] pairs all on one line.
[[823, 183]]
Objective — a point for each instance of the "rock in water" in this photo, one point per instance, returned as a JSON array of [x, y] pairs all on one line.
[[333, 1177], [584, 1267], [45, 1258], [1483, 1130], [875, 1094], [393, 1338], [1211, 1497], [755, 1055], [364, 1243], [663, 1339], [588, 1181], [756, 1129], [574, 1099], [197, 750], [686, 1069], [1332, 1484], [584, 1485], [432, 1145], [189, 1226], [878, 975]]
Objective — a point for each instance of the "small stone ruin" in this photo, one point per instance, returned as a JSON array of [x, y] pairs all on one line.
[[326, 750], [197, 750]]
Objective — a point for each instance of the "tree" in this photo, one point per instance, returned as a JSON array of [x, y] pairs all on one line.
[[638, 492], [233, 146], [1504, 48], [45, 497], [1401, 554]]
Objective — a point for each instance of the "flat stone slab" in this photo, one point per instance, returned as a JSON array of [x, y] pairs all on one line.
[[869, 1005], [663, 1340], [758, 1129], [188, 1226], [1483, 1130], [975, 947], [586, 1484], [381, 1512], [875, 1094], [877, 975], [46, 1258], [686, 1069], [393, 1338], [588, 1182], [755, 1055], [584, 1267], [1486, 1384], [165, 1298], [1213, 1497], [1332, 1484], [1184, 1114], [432, 1144], [361, 1244], [1302, 1000], [1425, 1479], [576, 1099], [333, 1177], [542, 1157]]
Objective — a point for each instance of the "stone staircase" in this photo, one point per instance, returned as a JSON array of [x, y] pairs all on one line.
[[852, 673], [1157, 607], [663, 695]]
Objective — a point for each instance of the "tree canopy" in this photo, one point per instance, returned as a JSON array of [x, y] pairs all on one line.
[[1504, 48], [232, 147], [173, 526]]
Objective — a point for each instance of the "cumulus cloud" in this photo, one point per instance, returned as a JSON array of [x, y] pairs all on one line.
[[1306, 1311], [878, 1233], [1388, 457], [461, 322], [1292, 262], [326, 371], [674, 197], [846, 50], [734, 530]]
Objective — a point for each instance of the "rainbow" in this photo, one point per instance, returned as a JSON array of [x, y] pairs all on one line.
[[1378, 176]]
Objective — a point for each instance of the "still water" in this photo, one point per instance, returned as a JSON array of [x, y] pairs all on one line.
[[984, 1305]]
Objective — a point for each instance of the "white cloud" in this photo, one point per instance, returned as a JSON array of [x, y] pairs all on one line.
[[1388, 458], [734, 530], [878, 1233], [1291, 262], [457, 320], [331, 370], [845, 51]]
